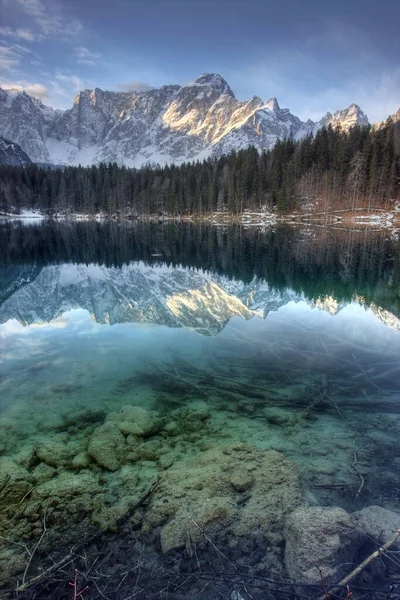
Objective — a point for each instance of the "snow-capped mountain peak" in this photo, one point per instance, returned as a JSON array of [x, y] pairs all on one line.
[[171, 124], [272, 104], [213, 81]]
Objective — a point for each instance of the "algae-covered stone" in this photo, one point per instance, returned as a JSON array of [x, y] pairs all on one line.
[[172, 428], [68, 484], [198, 410], [327, 535], [43, 473], [80, 461], [143, 422], [107, 517], [241, 480], [107, 446], [26, 456], [188, 528], [278, 416], [255, 491], [15, 482], [57, 451]]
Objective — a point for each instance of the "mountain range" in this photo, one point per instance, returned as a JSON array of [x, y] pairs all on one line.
[[171, 124]]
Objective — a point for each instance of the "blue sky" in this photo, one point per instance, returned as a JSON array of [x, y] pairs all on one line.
[[313, 55]]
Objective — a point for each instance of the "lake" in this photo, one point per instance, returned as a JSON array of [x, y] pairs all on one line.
[[171, 395]]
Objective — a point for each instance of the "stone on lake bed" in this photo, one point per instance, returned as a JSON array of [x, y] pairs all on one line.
[[142, 422], [107, 446], [327, 535], [211, 486], [278, 416], [379, 523], [43, 473], [241, 480], [56, 452], [198, 411], [15, 482]]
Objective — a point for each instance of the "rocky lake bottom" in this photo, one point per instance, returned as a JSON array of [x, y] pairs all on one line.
[[173, 432]]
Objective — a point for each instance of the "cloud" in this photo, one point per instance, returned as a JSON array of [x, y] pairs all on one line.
[[85, 57], [136, 86], [12, 56], [37, 90], [64, 84], [20, 34], [50, 19]]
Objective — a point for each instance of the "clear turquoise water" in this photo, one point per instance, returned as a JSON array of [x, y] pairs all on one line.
[[290, 338], [70, 339]]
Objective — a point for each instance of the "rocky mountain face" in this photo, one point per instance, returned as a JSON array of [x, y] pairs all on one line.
[[170, 124], [12, 154]]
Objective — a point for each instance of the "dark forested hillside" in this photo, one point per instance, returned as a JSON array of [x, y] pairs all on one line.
[[333, 170]]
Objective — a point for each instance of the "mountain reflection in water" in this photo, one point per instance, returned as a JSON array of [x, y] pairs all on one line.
[[207, 359]]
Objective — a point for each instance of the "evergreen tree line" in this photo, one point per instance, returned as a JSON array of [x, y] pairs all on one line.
[[333, 170]]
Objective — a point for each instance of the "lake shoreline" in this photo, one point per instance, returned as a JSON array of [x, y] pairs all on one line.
[[343, 217]]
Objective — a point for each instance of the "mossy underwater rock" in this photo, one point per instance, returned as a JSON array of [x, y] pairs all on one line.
[[66, 485], [57, 451], [327, 535], [15, 482], [107, 446], [135, 420], [248, 489]]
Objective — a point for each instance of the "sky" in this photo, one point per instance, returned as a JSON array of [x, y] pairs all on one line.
[[312, 55]]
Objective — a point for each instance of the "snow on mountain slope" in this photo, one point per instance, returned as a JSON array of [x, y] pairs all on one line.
[[170, 124]]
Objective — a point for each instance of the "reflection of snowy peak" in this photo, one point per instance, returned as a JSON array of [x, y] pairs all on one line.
[[387, 318], [328, 304], [138, 293], [170, 124]]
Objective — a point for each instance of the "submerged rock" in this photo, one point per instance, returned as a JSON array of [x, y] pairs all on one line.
[[15, 482], [250, 490], [107, 446], [43, 473], [135, 420], [68, 484], [327, 535], [278, 416], [57, 452], [379, 523]]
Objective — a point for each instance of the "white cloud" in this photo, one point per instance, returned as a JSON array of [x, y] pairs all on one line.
[[85, 57], [33, 89], [71, 80], [137, 86], [12, 56], [66, 84], [49, 17], [20, 34]]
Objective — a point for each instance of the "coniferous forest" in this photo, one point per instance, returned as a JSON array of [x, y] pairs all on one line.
[[334, 170]]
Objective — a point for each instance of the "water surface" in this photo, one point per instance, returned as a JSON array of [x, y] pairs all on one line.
[[284, 339]]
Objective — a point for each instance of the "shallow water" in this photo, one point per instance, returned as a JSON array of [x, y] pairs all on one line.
[[286, 339]]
